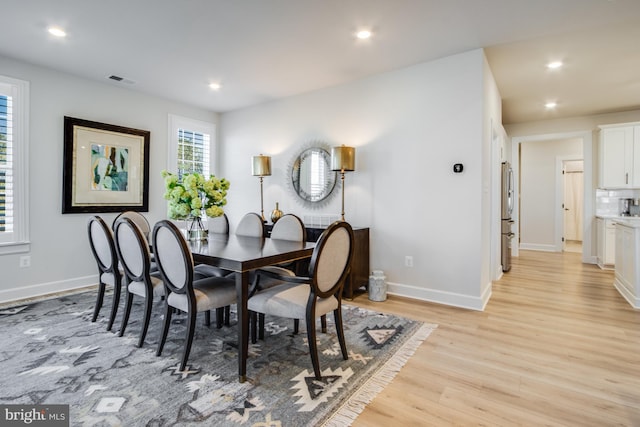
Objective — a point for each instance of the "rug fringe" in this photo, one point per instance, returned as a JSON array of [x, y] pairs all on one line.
[[355, 404]]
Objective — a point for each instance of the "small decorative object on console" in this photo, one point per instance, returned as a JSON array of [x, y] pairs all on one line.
[[276, 214]]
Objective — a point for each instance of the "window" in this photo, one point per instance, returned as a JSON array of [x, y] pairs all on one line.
[[14, 97], [191, 146]]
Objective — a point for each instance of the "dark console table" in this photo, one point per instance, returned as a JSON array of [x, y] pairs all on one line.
[[359, 276]]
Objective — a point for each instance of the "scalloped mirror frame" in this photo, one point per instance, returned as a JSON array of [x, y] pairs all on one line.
[[330, 188]]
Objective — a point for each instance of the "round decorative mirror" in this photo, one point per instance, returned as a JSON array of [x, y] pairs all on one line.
[[311, 175]]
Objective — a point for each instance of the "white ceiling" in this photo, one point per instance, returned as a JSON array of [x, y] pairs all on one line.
[[262, 50]]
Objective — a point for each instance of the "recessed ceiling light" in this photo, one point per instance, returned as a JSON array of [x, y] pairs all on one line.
[[550, 105], [57, 31], [214, 86], [364, 34], [554, 65]]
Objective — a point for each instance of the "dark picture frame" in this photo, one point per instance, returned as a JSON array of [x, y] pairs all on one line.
[[106, 168]]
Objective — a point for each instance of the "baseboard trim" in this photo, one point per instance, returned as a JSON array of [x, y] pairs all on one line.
[[441, 297], [32, 291], [626, 294], [538, 247]]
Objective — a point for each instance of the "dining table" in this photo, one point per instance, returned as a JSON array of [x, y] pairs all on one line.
[[242, 255]]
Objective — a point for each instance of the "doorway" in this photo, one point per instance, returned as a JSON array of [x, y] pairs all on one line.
[[572, 205]]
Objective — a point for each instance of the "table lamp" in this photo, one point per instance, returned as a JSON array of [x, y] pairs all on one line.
[[261, 167], [343, 159]]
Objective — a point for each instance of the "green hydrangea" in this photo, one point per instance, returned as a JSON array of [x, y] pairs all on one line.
[[194, 195]]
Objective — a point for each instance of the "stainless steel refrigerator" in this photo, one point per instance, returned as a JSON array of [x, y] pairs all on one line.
[[507, 210]]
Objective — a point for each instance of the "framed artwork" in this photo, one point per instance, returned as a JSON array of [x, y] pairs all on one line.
[[106, 168]]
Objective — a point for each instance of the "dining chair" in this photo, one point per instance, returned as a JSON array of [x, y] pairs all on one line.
[[250, 225], [217, 226], [289, 227], [104, 251], [139, 219], [135, 256], [309, 297], [175, 263]]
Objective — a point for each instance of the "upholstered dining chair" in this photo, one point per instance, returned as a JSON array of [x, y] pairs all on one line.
[[217, 226], [139, 219], [250, 225], [319, 293], [135, 256], [288, 227], [175, 263], [104, 251]]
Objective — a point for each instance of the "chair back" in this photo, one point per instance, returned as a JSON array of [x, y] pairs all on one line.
[[139, 219], [250, 225], [173, 257], [331, 260], [289, 227], [219, 225], [102, 245], [133, 249]]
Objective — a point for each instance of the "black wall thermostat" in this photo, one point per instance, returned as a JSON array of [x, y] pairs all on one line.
[[457, 168]]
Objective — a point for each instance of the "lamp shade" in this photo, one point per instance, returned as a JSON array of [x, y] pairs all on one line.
[[343, 158], [261, 165]]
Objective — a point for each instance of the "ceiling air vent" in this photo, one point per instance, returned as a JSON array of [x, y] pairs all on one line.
[[120, 79]]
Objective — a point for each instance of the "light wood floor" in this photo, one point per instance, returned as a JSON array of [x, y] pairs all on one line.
[[556, 346]]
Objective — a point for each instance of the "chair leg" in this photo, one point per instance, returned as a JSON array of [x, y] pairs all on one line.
[[165, 328], [114, 305], [127, 311], [337, 314], [219, 317], [148, 304], [191, 326], [98, 306], [261, 326], [207, 318], [253, 325], [323, 323], [313, 346], [296, 326], [227, 315]]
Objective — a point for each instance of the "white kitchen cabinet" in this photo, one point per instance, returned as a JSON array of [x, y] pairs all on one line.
[[627, 275], [620, 156], [605, 242]]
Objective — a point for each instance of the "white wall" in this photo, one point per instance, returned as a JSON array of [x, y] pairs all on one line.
[[409, 127], [60, 254], [538, 172]]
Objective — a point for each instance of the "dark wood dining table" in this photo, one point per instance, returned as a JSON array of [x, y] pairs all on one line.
[[242, 255]]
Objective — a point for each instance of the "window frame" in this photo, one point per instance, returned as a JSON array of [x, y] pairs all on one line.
[[178, 122], [18, 241]]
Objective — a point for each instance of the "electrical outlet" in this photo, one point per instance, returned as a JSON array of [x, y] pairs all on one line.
[[25, 261], [408, 261]]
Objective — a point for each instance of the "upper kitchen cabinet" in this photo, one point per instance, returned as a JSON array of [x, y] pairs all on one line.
[[620, 156]]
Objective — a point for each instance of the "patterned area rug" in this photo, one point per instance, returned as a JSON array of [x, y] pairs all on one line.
[[52, 354]]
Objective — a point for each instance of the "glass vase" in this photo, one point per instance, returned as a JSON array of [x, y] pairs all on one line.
[[196, 231]]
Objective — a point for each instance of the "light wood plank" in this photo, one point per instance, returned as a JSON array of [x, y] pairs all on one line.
[[556, 345]]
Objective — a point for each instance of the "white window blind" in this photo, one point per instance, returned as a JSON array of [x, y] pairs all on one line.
[[191, 146], [193, 152], [14, 142], [6, 163]]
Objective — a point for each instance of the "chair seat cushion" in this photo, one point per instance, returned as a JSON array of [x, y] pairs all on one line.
[[212, 292], [108, 278], [290, 301], [138, 288], [267, 282], [210, 270]]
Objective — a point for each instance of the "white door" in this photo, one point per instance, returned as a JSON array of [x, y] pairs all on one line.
[[572, 204]]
